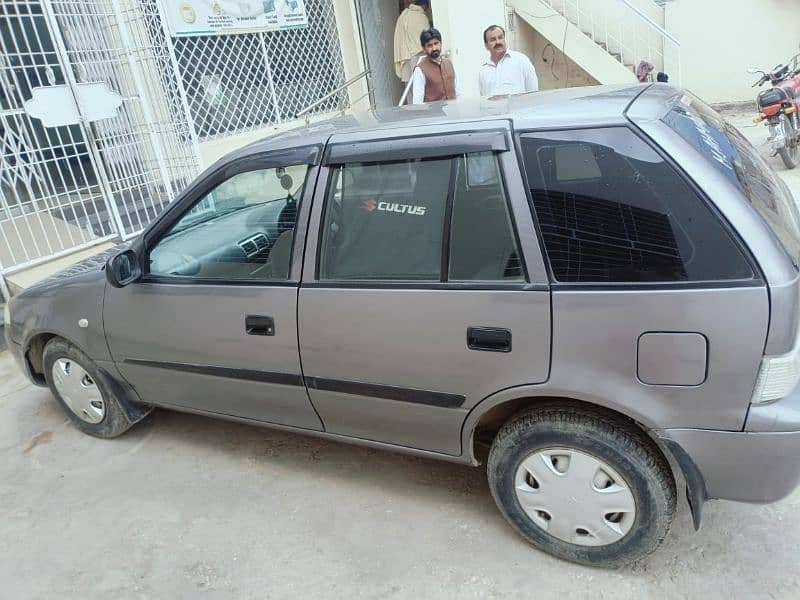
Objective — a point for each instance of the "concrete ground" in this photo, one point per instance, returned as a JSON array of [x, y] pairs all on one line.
[[189, 507]]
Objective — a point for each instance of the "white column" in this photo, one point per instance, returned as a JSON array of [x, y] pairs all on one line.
[[462, 32], [353, 58]]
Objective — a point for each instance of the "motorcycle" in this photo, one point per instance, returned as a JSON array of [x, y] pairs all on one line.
[[780, 108]]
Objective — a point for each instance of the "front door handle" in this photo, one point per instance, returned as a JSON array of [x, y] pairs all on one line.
[[259, 325], [489, 339]]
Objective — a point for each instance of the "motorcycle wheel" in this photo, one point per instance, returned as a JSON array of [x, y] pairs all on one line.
[[790, 154]]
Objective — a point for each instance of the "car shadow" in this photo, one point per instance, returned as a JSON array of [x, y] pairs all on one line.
[[369, 471], [366, 476], [362, 467]]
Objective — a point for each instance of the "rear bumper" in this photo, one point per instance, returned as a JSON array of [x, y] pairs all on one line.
[[742, 466], [760, 464]]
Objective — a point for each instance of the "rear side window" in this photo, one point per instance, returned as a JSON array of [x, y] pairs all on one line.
[[733, 156], [612, 210], [482, 242], [384, 221], [390, 221]]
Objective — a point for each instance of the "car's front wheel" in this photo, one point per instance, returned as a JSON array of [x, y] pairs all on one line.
[[582, 485], [83, 390]]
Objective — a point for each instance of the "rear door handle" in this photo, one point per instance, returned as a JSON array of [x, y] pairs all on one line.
[[259, 325], [489, 339]]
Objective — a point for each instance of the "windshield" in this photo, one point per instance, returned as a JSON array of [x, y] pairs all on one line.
[[733, 156]]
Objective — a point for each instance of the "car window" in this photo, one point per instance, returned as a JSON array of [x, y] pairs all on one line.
[[384, 221], [731, 154], [241, 230], [483, 246], [612, 210]]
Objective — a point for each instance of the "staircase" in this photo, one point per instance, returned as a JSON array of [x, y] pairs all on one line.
[[606, 38]]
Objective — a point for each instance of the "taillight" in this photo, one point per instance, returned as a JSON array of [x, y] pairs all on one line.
[[778, 376]]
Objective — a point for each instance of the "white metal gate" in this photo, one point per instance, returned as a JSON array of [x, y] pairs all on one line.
[[72, 185], [69, 187], [49, 183], [145, 155]]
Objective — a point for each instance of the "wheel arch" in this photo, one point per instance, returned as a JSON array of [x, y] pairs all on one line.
[[487, 417], [33, 354]]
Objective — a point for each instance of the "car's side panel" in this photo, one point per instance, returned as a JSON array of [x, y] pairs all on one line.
[[184, 343], [458, 459], [56, 306], [595, 351], [187, 346], [416, 340]]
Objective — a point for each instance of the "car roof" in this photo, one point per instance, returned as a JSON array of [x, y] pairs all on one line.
[[571, 107]]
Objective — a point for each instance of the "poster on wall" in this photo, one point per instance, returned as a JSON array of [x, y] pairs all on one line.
[[215, 17]]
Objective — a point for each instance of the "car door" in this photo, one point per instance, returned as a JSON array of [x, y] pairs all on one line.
[[212, 325], [425, 290]]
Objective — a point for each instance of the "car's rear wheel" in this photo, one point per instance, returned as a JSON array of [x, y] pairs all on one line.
[[83, 390], [582, 485]]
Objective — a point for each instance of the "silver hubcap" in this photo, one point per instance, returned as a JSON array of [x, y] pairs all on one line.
[[575, 497], [78, 390]]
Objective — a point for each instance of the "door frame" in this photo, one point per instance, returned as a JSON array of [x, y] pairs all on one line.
[[432, 413], [284, 289], [308, 155], [416, 142]]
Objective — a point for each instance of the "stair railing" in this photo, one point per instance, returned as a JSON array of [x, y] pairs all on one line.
[[624, 31]]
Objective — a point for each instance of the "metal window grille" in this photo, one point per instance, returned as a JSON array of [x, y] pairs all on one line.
[[66, 188], [145, 157], [49, 187], [236, 83]]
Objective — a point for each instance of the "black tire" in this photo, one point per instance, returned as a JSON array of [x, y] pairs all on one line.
[[114, 422], [625, 448], [790, 154], [789, 157]]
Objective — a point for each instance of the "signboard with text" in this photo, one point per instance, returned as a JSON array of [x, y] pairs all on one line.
[[214, 17]]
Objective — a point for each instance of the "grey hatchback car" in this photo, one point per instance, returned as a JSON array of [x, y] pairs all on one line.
[[594, 292]]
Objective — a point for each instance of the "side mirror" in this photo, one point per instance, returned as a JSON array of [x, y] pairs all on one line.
[[123, 269], [754, 71]]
